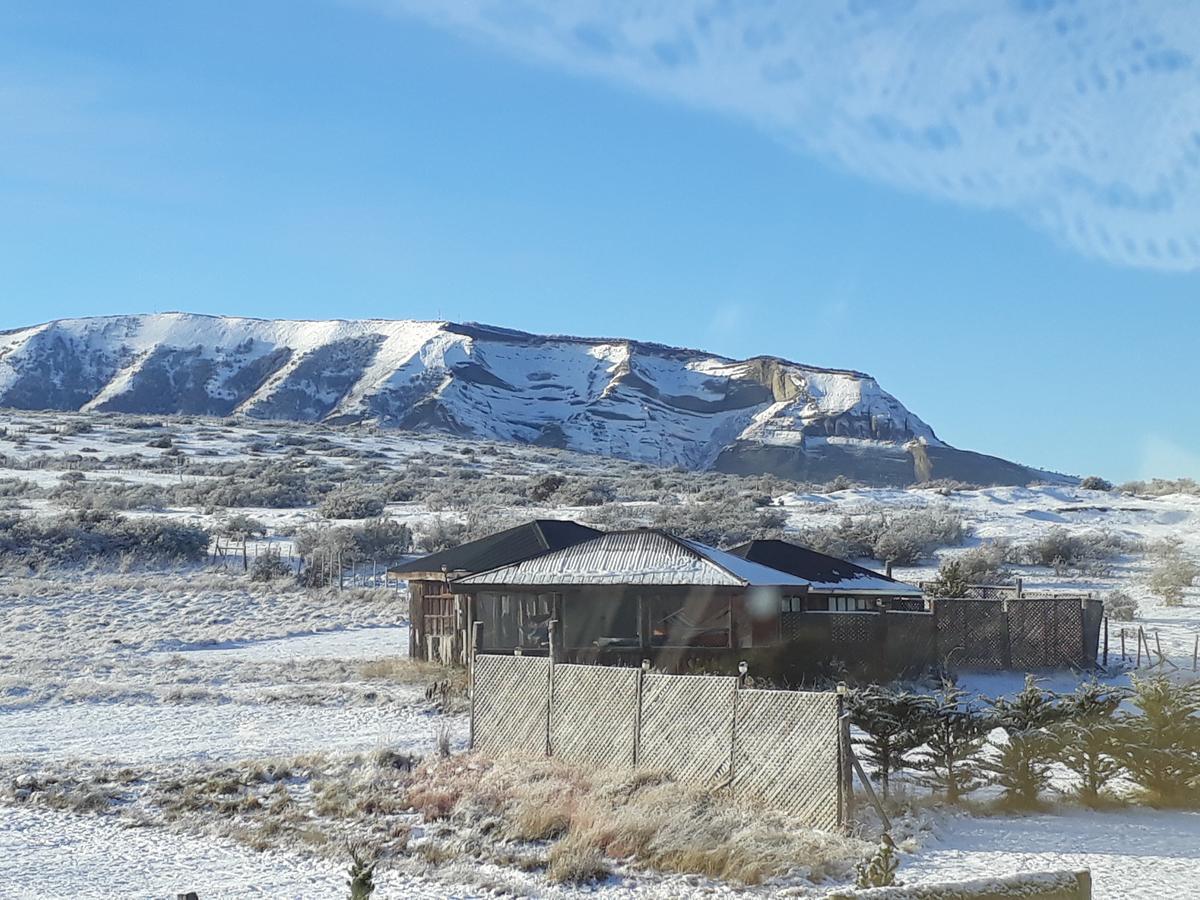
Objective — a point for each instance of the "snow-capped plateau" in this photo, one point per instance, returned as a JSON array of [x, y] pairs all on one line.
[[614, 397]]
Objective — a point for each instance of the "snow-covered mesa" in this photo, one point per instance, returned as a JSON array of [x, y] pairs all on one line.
[[614, 397]]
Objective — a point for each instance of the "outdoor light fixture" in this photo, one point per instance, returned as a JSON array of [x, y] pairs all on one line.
[[743, 667], [645, 665], [841, 689]]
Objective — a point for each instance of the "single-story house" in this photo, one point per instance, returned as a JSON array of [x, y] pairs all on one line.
[[437, 614], [621, 597], [629, 595]]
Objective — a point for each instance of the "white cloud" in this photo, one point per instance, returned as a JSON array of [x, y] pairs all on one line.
[[1081, 118]]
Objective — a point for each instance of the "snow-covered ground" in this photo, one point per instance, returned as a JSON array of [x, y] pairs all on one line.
[[1134, 853], [174, 671]]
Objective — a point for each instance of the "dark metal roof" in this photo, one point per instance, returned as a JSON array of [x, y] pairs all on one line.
[[644, 556], [825, 573], [500, 549]]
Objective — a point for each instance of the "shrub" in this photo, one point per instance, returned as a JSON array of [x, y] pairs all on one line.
[[1173, 574], [901, 539], [1161, 487], [1095, 483], [91, 536], [381, 540], [351, 504], [269, 566], [1059, 548], [1120, 606], [720, 523], [241, 527]]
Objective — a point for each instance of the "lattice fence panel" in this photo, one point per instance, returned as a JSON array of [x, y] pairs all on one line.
[[593, 714], [511, 703], [1045, 633], [687, 726], [972, 632], [786, 753], [854, 630]]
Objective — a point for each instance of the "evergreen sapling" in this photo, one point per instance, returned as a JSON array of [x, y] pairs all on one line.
[[949, 761], [894, 723], [1021, 764], [1088, 737]]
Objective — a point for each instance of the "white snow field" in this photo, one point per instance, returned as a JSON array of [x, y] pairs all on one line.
[[1132, 853], [172, 672]]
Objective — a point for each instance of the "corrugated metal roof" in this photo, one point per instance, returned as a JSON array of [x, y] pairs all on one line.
[[644, 556], [823, 572], [502, 548]]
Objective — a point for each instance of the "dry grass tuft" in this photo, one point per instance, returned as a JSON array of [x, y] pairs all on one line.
[[572, 860], [642, 816]]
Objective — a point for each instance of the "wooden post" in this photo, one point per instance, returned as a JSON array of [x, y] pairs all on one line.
[[1195, 652], [471, 683], [1106, 642], [846, 781], [245, 561], [551, 626], [1123, 656], [1138, 664]]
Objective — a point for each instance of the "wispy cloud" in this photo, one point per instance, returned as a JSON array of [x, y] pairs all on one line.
[[1163, 458], [1081, 118]]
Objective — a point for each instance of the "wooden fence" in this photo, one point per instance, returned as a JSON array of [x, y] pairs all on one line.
[[781, 749]]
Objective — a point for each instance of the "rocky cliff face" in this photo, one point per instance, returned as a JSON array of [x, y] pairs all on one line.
[[622, 398]]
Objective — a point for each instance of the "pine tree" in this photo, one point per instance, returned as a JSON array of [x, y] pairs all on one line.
[[362, 872], [1088, 737], [880, 869], [949, 763], [1021, 765], [1160, 747], [894, 723]]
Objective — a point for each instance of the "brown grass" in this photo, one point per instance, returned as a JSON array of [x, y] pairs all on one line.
[[644, 817]]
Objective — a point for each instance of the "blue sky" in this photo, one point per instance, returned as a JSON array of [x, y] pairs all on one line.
[[317, 159]]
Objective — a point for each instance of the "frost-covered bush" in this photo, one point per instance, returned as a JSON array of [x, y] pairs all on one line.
[[1095, 483], [18, 487], [720, 523], [351, 504], [379, 540], [902, 538], [979, 565], [1160, 487], [1120, 606], [271, 485], [1059, 548], [92, 536], [107, 496], [1173, 573], [269, 567], [441, 533]]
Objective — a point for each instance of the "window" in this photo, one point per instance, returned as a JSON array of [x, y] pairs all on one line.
[[791, 605], [851, 604]]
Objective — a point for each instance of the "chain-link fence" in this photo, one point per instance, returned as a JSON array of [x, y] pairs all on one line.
[[782, 749]]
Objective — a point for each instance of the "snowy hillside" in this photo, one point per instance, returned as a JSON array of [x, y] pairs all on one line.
[[619, 398]]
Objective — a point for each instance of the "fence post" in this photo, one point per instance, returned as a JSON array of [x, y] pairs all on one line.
[[1006, 617], [637, 712], [1106, 642], [552, 627], [846, 781], [471, 684]]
